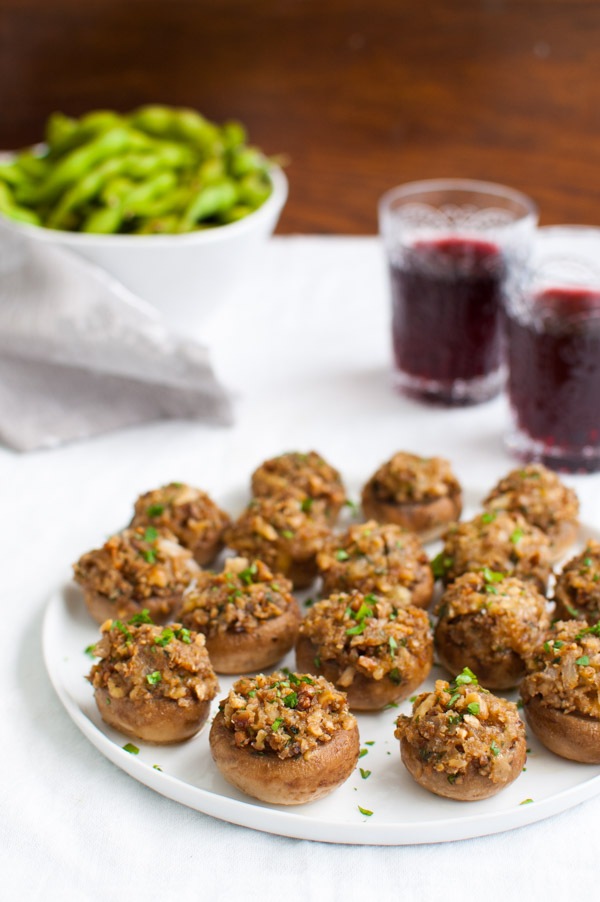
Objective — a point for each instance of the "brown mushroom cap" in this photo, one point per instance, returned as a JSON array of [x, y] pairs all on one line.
[[468, 787], [232, 652], [152, 720], [364, 693], [291, 781], [573, 735], [420, 494]]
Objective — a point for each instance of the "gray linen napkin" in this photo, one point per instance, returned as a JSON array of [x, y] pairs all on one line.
[[81, 355]]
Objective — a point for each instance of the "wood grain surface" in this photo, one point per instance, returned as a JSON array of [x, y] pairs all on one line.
[[359, 95]]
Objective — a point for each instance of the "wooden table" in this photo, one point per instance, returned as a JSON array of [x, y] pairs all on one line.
[[360, 95]]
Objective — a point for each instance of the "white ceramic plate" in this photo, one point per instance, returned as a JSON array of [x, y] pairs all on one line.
[[403, 812]]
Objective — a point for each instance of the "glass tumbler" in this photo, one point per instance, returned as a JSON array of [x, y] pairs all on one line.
[[553, 332], [451, 246]]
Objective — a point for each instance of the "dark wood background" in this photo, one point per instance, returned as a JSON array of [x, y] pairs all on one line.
[[360, 94]]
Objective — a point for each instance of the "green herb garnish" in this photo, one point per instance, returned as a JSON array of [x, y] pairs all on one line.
[[154, 678], [155, 510], [90, 651], [394, 676], [583, 661], [473, 708], [342, 555], [142, 617], [517, 535], [494, 749], [183, 635], [120, 626], [365, 811], [440, 565], [131, 748], [149, 556], [363, 752], [151, 534], [306, 504], [291, 700], [489, 516], [165, 637], [356, 630], [276, 724], [287, 534], [365, 774], [247, 574]]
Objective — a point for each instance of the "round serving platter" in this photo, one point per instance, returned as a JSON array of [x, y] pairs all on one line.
[[402, 812]]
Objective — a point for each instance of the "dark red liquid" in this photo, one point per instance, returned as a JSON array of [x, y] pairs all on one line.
[[554, 382], [446, 309]]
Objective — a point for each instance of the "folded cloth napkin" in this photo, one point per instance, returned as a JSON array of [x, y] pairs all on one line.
[[81, 355]]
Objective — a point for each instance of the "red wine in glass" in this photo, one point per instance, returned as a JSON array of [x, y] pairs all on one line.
[[554, 377], [446, 319]]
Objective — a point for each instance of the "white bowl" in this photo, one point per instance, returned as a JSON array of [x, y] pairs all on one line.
[[184, 276]]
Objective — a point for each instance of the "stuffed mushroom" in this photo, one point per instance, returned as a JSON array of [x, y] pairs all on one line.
[[420, 494], [247, 614], [305, 476], [461, 741], [561, 693], [544, 501], [287, 738], [283, 534], [504, 542], [577, 590], [490, 622], [376, 652], [135, 569], [382, 559], [155, 683], [189, 514]]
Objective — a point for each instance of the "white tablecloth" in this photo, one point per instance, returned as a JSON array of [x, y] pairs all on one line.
[[308, 356]]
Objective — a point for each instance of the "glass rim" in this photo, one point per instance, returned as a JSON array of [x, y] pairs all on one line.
[[405, 190]]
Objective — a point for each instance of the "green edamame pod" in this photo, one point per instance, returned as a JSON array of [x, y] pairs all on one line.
[[10, 208], [254, 189], [83, 191], [233, 134], [234, 214], [135, 202], [210, 201], [104, 221], [59, 128], [245, 160], [153, 119]]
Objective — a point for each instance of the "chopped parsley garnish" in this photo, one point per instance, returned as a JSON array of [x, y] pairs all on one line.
[[247, 574], [365, 774], [372, 742], [453, 699], [142, 617], [252, 693], [352, 505], [306, 504], [287, 534], [413, 699], [489, 516], [572, 611], [149, 556], [90, 650], [131, 748], [363, 752], [309, 602], [492, 576], [154, 678], [473, 708], [452, 778], [365, 811], [356, 630], [390, 705], [151, 534], [155, 510], [517, 535], [120, 626], [519, 704], [165, 637], [394, 676], [525, 801], [291, 700], [467, 677], [583, 661], [156, 767], [440, 565], [589, 631], [392, 643], [183, 635], [342, 555], [317, 663], [494, 749], [276, 724]]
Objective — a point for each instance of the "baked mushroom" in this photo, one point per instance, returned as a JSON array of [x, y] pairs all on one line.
[[561, 693], [490, 622], [247, 614], [539, 495], [151, 682], [283, 534], [461, 741], [577, 590], [305, 476], [419, 493], [376, 652], [135, 569], [287, 738], [380, 558], [503, 542], [190, 514]]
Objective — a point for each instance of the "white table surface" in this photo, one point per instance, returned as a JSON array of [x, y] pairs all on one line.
[[307, 354]]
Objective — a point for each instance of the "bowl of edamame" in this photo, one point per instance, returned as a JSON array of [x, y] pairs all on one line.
[[172, 205]]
